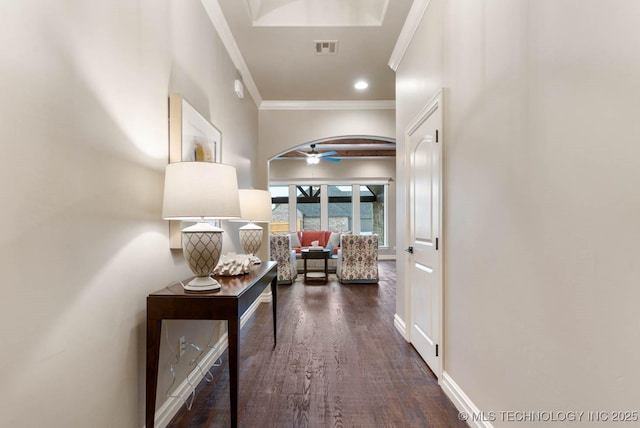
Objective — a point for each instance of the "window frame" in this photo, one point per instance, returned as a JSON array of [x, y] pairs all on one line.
[[323, 196]]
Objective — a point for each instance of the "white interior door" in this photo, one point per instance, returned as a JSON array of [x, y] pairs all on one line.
[[424, 273]]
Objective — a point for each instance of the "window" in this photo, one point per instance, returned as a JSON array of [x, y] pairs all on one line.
[[340, 207], [279, 209], [372, 211], [308, 207], [357, 208]]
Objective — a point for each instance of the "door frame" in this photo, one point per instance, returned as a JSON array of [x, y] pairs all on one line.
[[436, 103]]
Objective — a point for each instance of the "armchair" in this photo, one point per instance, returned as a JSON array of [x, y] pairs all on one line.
[[358, 259], [282, 253]]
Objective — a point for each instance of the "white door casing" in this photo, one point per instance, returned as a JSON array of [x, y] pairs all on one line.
[[424, 255]]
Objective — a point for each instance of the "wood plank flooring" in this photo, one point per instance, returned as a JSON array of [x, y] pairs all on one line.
[[339, 362]]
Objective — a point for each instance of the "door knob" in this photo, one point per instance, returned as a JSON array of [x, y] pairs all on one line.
[[409, 250]]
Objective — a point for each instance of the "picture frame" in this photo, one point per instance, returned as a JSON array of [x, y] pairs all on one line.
[[192, 138]]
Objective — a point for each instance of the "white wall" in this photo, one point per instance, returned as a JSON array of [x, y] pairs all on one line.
[[84, 143], [418, 79], [347, 169], [541, 199]]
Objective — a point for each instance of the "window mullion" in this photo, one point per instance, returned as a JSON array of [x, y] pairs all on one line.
[[324, 207], [356, 208], [293, 213]]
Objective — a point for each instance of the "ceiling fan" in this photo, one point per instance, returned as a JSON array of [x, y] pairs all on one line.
[[314, 157]]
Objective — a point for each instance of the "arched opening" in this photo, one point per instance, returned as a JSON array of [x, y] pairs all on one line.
[[346, 147], [353, 190]]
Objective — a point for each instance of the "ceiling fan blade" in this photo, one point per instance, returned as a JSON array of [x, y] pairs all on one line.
[[329, 153], [331, 159], [303, 153]]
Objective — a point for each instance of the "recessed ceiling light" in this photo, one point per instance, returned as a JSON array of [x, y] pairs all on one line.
[[361, 84]]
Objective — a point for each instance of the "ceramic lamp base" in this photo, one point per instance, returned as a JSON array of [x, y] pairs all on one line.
[[202, 283], [251, 238], [202, 246]]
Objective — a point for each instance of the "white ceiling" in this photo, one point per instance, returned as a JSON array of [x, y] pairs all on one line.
[[276, 40]]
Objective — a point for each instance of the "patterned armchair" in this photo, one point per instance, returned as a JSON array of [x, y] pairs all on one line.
[[282, 253], [358, 259]]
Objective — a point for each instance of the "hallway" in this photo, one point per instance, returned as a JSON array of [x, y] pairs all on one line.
[[339, 362]]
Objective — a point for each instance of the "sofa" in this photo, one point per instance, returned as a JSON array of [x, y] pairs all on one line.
[[303, 239]]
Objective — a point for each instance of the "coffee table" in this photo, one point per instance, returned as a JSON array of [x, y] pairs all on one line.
[[316, 275]]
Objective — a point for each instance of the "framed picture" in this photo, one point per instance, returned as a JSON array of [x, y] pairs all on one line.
[[191, 138]]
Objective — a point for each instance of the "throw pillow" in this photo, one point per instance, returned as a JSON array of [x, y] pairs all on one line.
[[334, 239], [308, 236], [295, 241]]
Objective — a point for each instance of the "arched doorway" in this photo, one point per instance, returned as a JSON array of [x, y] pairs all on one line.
[[353, 190]]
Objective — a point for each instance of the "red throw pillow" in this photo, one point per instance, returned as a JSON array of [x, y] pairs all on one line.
[[308, 236], [325, 238]]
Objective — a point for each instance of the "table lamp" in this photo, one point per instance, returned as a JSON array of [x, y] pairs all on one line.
[[201, 191], [255, 206]]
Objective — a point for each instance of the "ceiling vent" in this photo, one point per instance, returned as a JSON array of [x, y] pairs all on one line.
[[326, 47]]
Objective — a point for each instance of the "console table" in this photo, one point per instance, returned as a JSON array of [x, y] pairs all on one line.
[[229, 303]]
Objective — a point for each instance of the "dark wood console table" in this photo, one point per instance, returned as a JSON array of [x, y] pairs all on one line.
[[229, 303]]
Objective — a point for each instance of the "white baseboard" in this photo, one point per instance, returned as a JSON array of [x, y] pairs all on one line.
[[265, 297], [252, 309], [463, 403], [170, 407], [386, 256], [400, 326]]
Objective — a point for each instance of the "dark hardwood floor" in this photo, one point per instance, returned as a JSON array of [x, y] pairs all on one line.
[[339, 362]]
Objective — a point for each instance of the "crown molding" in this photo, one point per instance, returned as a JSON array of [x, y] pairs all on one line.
[[331, 181], [224, 32], [329, 105], [417, 11]]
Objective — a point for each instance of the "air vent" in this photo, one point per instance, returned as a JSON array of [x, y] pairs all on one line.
[[326, 47]]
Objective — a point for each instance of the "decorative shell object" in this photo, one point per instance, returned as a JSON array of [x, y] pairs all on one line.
[[233, 264]]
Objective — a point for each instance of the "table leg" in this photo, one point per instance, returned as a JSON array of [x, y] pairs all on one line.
[[233, 328], [274, 306], [154, 328]]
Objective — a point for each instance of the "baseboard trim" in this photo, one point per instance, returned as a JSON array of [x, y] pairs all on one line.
[[265, 297], [386, 256], [400, 326], [462, 402], [170, 407]]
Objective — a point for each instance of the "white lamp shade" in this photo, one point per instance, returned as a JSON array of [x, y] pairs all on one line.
[[255, 205], [196, 190]]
